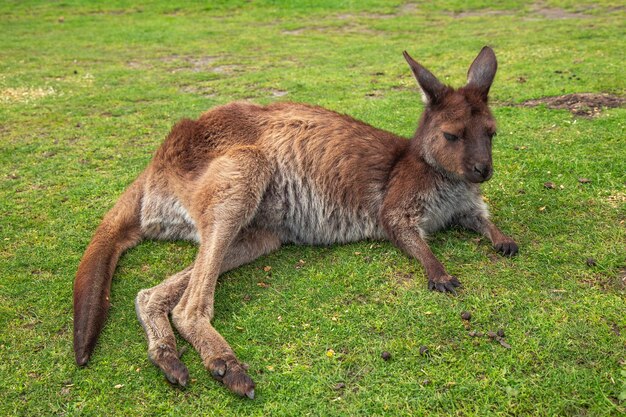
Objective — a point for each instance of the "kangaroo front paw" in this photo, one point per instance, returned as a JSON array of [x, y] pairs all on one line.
[[232, 374], [507, 247], [444, 283]]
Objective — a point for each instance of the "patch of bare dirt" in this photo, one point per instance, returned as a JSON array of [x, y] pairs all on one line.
[[225, 69], [480, 13], [558, 14], [579, 104], [617, 199], [407, 8], [112, 12], [278, 93], [351, 26], [198, 90], [180, 63], [201, 64], [25, 94], [538, 12], [135, 65], [380, 16], [191, 63], [293, 32]]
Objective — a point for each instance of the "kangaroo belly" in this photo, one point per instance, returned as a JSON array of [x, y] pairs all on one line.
[[301, 213]]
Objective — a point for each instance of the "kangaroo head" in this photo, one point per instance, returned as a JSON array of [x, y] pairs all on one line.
[[457, 127]]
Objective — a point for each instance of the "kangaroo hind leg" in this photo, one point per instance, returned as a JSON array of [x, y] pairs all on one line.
[[152, 307], [224, 203], [154, 304]]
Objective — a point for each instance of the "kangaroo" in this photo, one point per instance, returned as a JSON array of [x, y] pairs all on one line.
[[243, 179]]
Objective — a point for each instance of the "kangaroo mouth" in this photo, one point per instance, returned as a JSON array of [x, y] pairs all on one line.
[[477, 177]]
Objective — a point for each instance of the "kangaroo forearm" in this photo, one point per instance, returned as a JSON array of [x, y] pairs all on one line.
[[416, 247]]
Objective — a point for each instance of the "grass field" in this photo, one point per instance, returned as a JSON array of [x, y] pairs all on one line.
[[87, 93]]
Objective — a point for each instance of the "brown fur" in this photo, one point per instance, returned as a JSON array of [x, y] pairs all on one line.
[[243, 179]]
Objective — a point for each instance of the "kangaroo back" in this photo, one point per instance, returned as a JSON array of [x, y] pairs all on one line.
[[120, 229]]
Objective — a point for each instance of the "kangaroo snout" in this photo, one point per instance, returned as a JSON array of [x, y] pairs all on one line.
[[482, 171]]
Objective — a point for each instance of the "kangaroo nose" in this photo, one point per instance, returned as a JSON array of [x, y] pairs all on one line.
[[484, 170]]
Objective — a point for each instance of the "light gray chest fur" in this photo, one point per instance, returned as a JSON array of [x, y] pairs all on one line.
[[441, 207]]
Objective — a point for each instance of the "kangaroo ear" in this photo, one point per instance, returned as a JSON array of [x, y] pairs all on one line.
[[432, 89], [482, 71]]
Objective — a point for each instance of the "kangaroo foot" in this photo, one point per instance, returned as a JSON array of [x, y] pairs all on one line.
[[231, 373], [507, 247], [165, 356], [444, 283], [161, 341]]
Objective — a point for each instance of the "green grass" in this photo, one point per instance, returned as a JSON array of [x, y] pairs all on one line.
[[87, 93]]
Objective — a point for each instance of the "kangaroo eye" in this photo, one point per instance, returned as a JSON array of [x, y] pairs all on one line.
[[450, 136]]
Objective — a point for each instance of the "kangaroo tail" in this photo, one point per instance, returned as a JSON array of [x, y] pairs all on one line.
[[120, 230]]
